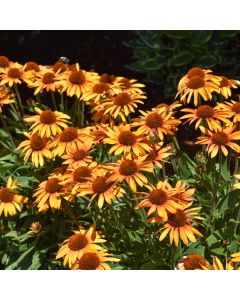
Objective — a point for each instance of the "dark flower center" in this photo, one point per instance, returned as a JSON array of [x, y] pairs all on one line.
[[224, 82], [178, 219], [68, 135], [77, 77], [4, 62], [48, 117], [236, 107], [122, 99], [79, 155], [48, 78], [53, 186], [100, 185], [107, 78], [195, 82], [194, 261], [220, 138], [77, 242], [59, 66], [14, 73], [195, 72], [100, 88], [205, 112], [81, 174], [127, 138], [89, 261], [158, 197], [6, 195], [32, 66], [154, 120], [128, 167], [125, 83], [38, 143]]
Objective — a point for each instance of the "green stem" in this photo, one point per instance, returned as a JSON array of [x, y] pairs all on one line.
[[54, 100], [18, 98], [8, 131], [174, 249], [236, 166], [38, 98], [82, 112], [175, 142], [118, 224]]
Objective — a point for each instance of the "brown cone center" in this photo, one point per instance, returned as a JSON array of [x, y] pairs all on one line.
[[68, 135], [220, 138], [14, 73], [158, 197], [53, 186], [81, 174], [122, 99], [37, 142], [178, 219], [128, 167], [48, 78], [48, 117], [100, 185], [77, 77], [6, 195], [127, 138], [195, 82], [154, 120], [77, 242], [205, 112], [4, 62], [195, 72], [89, 261]]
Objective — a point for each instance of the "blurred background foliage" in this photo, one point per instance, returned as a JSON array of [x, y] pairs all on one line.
[[164, 56]]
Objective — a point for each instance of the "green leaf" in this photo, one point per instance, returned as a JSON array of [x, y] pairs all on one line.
[[226, 170], [181, 59], [201, 37], [17, 263], [154, 64], [228, 201], [211, 240], [207, 61], [219, 251], [178, 34]]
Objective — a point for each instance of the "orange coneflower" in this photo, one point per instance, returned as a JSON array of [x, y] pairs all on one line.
[[156, 122], [37, 147], [206, 114], [193, 262], [130, 169], [80, 242], [122, 105], [101, 188], [196, 71], [77, 81], [69, 137], [158, 153], [32, 66], [74, 178], [9, 199], [219, 139], [45, 80], [226, 85], [160, 199], [123, 140], [197, 83], [179, 225], [96, 260], [47, 122], [77, 156], [129, 85], [5, 97], [98, 92], [14, 74], [50, 191], [232, 108]]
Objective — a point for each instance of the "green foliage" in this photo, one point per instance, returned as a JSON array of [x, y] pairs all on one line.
[[165, 56]]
